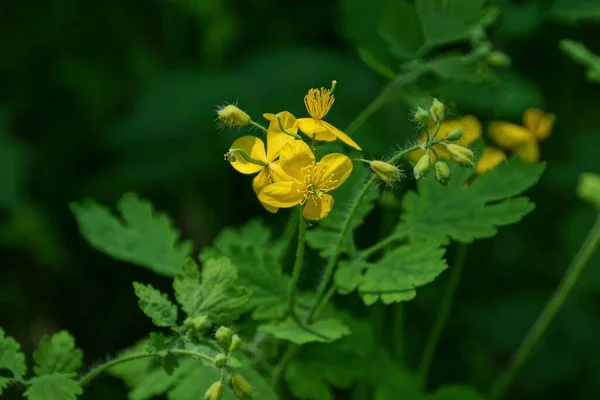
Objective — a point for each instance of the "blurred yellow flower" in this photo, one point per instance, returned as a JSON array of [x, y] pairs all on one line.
[[523, 140], [318, 102], [491, 157], [302, 180]]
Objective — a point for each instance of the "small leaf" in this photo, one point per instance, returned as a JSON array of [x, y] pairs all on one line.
[[170, 363], [143, 237], [320, 331], [156, 305], [53, 387], [460, 68], [57, 355], [11, 357], [217, 296], [157, 343]]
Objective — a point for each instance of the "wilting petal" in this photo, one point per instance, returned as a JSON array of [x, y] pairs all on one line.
[[295, 156], [341, 135], [538, 122], [509, 136], [491, 157], [332, 171], [314, 127], [318, 207], [282, 194], [260, 181], [255, 148], [275, 142], [529, 152]]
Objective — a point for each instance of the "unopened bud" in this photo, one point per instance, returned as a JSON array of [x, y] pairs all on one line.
[[241, 388], [214, 392], [442, 173], [220, 360], [460, 154], [224, 337], [422, 116], [498, 59], [386, 172], [197, 323], [422, 167], [454, 134], [230, 115], [236, 341], [437, 110]]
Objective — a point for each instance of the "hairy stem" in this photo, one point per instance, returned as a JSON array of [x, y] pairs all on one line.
[[586, 251], [443, 313], [293, 288]]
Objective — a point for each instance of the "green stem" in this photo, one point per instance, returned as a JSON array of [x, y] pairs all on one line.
[[256, 124], [331, 264], [298, 264], [586, 251], [84, 380], [443, 313], [290, 352], [288, 233], [382, 244]]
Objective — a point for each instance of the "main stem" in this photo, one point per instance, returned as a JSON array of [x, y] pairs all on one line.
[[293, 287], [586, 251], [442, 316]]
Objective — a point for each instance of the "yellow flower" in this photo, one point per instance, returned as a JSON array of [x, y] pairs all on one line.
[[318, 102], [302, 180], [491, 157], [470, 126], [249, 155], [523, 140]]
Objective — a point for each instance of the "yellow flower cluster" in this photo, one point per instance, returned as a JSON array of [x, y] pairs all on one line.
[[288, 173]]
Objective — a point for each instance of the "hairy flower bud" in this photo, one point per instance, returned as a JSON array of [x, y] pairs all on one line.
[[224, 336], [241, 388], [236, 341], [220, 360], [497, 59], [198, 323], [214, 392], [454, 134], [460, 154], [386, 172], [442, 173], [437, 110], [421, 116], [230, 115], [422, 167]]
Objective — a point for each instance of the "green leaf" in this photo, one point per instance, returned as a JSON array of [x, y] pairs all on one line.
[[460, 68], [468, 213], [400, 28], [143, 237], [456, 392], [4, 383], [53, 387], [57, 355], [588, 188], [325, 237], [11, 357], [574, 11], [579, 53], [256, 258], [394, 277], [156, 305], [447, 21], [320, 331], [217, 296]]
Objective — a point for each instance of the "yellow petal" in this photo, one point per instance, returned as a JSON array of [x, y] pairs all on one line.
[[282, 194], [255, 148], [538, 122], [288, 121], [318, 207], [341, 135], [469, 124], [529, 152], [332, 171], [295, 156], [509, 136], [275, 142], [260, 181], [491, 157], [314, 127]]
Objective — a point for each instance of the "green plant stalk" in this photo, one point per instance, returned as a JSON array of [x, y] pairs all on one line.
[[84, 380], [290, 352], [382, 244], [586, 251], [293, 286], [441, 318]]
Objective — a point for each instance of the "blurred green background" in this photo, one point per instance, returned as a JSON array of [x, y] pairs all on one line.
[[101, 98]]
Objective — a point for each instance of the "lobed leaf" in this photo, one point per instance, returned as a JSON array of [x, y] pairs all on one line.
[[143, 237], [156, 305], [11, 357], [57, 355], [327, 330], [53, 387]]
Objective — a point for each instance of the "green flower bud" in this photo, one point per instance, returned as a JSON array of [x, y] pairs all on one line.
[[386, 172], [224, 337], [241, 388], [422, 167], [460, 154], [220, 360], [214, 392], [422, 116], [442, 173], [236, 341], [437, 110], [198, 323], [498, 59], [454, 134]]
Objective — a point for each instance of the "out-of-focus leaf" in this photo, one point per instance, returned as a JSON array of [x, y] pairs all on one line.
[[460, 68], [400, 28], [579, 53], [320, 331], [574, 11], [456, 392], [589, 188]]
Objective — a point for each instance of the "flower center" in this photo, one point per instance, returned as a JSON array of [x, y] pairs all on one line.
[[318, 102]]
